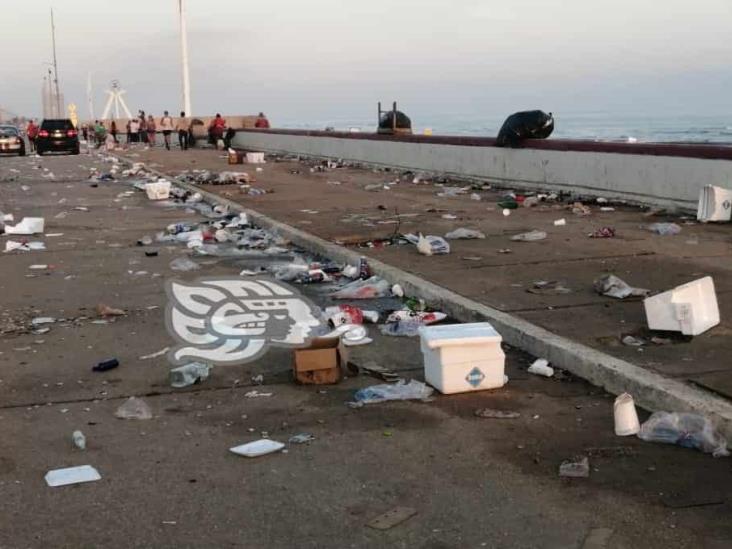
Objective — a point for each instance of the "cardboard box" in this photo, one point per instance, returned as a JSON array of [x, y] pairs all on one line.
[[235, 157], [322, 363]]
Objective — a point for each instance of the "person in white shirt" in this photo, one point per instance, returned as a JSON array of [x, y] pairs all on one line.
[[166, 125]]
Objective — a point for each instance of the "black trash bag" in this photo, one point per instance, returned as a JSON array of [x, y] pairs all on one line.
[[402, 122], [525, 125]]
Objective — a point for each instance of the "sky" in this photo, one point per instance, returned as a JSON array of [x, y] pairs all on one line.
[[302, 61]]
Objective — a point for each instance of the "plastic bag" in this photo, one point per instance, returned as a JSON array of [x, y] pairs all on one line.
[[430, 244], [134, 408], [612, 286], [464, 234], [364, 289], [685, 429], [184, 264], [414, 390], [664, 229]]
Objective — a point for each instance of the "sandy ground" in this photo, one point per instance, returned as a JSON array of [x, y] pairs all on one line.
[[171, 482]]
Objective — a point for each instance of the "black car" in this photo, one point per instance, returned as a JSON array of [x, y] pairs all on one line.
[[57, 135]]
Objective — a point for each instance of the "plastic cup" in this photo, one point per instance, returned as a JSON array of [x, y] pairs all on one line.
[[626, 418]]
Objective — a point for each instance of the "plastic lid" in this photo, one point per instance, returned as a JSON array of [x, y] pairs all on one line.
[[458, 334]]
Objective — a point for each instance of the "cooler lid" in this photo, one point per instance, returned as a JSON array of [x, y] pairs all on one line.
[[458, 334]]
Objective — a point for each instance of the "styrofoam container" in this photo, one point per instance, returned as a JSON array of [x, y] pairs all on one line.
[[255, 158], [715, 204], [459, 358], [690, 308], [160, 190], [27, 226]]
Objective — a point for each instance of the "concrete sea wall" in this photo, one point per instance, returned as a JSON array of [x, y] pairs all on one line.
[[662, 175]]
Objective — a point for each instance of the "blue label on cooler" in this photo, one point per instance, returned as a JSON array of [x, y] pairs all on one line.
[[475, 377]]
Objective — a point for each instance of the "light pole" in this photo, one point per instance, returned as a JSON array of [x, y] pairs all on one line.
[[55, 67], [184, 59]]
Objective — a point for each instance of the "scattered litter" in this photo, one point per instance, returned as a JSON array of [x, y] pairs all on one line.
[[690, 308], [632, 341], [257, 448], [105, 310], [12, 245], [549, 287], [397, 291], [505, 251], [392, 518], [156, 354], [380, 372], [106, 365], [301, 438], [612, 286], [256, 394], [134, 408], [27, 226], [414, 390], [626, 416], [603, 232], [475, 196], [184, 264], [579, 467], [531, 236], [144, 241], [449, 216], [580, 209], [38, 267], [464, 234], [430, 244], [540, 367], [560, 222], [38, 321], [159, 190], [664, 229], [685, 429], [81, 209], [79, 440], [490, 413], [72, 475], [189, 374], [364, 289], [715, 204]]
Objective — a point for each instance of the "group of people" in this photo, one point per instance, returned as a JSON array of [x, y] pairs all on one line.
[[144, 129]]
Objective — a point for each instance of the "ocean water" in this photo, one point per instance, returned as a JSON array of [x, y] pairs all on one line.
[[593, 126]]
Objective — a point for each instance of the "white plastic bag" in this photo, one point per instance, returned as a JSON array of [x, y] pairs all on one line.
[[364, 289], [414, 390]]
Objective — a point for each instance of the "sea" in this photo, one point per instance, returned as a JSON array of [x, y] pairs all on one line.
[[642, 128]]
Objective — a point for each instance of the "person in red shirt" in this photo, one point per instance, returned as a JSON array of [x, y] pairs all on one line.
[[261, 121], [216, 129], [31, 131]]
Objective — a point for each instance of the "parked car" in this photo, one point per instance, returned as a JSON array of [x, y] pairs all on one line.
[[57, 135], [11, 141]]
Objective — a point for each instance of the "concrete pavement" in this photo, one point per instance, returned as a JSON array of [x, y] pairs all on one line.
[[171, 482]]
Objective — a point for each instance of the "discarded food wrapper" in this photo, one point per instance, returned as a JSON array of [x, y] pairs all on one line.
[[106, 310], [612, 286], [414, 390], [72, 475], [134, 408], [603, 232], [430, 244], [531, 236], [464, 234], [301, 438], [560, 222], [540, 367], [684, 429], [690, 308], [189, 374], [257, 448]]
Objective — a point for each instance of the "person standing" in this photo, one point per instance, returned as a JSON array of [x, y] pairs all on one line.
[[182, 128], [31, 130], [216, 129], [166, 125], [128, 128], [150, 127], [143, 127], [134, 130], [113, 131], [85, 132], [262, 122]]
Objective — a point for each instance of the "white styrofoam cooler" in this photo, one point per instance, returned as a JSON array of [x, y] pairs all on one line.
[[159, 190], [462, 357], [715, 204], [255, 158], [690, 308]]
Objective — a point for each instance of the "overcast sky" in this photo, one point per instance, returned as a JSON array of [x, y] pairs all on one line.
[[301, 60]]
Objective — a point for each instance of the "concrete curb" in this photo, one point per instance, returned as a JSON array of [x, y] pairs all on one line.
[[650, 390]]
